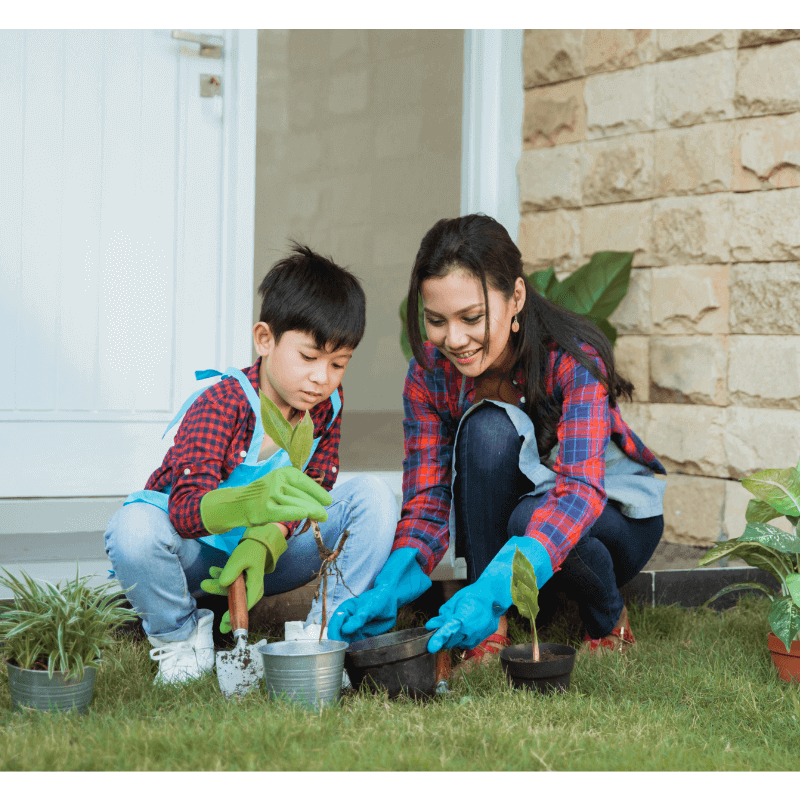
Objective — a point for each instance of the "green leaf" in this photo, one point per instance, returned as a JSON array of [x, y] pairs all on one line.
[[525, 593], [770, 536], [302, 440], [779, 487], [405, 345], [784, 619], [793, 585], [597, 288], [760, 511], [735, 587], [753, 553], [276, 426], [544, 281]]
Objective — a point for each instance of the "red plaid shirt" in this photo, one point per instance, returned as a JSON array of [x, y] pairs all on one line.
[[214, 438], [430, 400]]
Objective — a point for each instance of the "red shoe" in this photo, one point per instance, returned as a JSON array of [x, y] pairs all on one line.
[[489, 648], [617, 640]]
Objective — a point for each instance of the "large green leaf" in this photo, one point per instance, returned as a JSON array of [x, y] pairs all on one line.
[[760, 511], [772, 537], [276, 426], [524, 590], [597, 288], [405, 345], [608, 329], [793, 585], [753, 553], [302, 440], [544, 281], [784, 619], [778, 487]]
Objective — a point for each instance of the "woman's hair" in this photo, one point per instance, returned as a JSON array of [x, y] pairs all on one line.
[[480, 245], [307, 292]]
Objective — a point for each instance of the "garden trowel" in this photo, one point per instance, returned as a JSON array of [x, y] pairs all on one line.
[[240, 669]]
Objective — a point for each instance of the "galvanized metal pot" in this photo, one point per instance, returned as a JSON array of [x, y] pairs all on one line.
[[307, 672], [547, 677], [33, 688], [398, 662]]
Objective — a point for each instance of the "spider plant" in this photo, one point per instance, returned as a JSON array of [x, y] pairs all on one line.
[[60, 628]]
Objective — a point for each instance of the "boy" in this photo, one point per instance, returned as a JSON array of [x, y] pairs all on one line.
[[226, 501]]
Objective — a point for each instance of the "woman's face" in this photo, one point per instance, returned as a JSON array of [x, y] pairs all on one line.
[[455, 320]]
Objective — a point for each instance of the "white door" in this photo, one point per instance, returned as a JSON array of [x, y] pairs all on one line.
[[121, 269]]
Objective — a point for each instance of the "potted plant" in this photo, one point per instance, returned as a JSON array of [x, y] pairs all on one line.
[[54, 637], [308, 672], [545, 667], [777, 493]]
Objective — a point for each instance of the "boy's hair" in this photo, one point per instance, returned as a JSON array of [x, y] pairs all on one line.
[[307, 292]]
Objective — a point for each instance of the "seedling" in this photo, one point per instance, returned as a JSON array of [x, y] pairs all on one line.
[[297, 442], [525, 593]]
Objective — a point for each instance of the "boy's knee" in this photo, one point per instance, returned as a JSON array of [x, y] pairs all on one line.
[[135, 529], [378, 498]]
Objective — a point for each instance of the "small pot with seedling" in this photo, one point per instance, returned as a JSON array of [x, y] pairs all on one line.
[[307, 672], [777, 493], [55, 637], [545, 666]]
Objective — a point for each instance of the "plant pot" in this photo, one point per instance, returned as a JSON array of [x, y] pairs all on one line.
[[397, 662], [547, 677], [787, 662], [307, 672], [33, 688]]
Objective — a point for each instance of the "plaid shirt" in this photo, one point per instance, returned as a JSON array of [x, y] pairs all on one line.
[[214, 438], [432, 415]]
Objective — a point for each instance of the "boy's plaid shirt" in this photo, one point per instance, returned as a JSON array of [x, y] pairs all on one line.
[[214, 438], [430, 401]]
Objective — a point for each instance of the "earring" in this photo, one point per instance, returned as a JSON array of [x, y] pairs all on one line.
[[515, 325]]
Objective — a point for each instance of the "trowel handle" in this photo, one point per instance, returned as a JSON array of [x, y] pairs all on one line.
[[237, 604]]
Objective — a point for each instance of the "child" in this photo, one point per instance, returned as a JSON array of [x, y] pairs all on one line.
[[226, 501], [514, 439]]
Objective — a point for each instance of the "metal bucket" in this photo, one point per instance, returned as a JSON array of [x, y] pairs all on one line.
[[398, 662], [33, 688], [307, 672]]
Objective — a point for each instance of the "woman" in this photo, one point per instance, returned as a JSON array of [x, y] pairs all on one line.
[[513, 439]]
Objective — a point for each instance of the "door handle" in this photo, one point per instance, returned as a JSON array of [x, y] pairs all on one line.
[[210, 46]]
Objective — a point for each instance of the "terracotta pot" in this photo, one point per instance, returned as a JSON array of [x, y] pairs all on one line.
[[788, 663]]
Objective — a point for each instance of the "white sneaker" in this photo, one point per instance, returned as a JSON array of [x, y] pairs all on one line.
[[188, 659]]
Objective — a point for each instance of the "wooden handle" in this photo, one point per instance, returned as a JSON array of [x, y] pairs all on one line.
[[237, 604]]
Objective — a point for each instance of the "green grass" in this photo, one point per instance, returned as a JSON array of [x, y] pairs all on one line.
[[699, 692]]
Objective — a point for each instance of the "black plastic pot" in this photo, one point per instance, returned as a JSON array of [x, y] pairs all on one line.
[[547, 677], [398, 662]]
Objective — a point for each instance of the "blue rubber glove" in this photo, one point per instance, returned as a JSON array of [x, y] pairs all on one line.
[[375, 611], [473, 613]]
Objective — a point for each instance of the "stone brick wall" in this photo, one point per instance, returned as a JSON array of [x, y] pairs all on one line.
[[682, 146]]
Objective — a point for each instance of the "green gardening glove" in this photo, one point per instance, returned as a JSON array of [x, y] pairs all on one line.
[[283, 495], [256, 555]]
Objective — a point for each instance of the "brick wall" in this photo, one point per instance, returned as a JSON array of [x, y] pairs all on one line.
[[682, 146]]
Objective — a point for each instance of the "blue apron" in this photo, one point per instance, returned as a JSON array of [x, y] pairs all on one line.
[[246, 472]]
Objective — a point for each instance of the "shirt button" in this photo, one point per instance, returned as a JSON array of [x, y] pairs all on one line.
[[187, 471], [334, 469], [243, 453]]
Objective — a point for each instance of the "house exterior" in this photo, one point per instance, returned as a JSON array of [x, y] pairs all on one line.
[[681, 146]]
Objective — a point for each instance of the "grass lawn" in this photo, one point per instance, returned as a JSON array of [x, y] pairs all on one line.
[[699, 692]]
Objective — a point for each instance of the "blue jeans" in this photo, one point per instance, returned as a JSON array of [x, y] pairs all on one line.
[[164, 570], [490, 508]]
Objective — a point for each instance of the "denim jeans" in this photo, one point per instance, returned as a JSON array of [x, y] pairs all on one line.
[[160, 571], [490, 508]]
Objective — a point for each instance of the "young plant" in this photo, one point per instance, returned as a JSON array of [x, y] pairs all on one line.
[[525, 593], [777, 493], [61, 628], [297, 442], [594, 290]]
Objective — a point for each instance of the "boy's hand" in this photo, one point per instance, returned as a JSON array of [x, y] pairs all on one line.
[[285, 495], [255, 556]]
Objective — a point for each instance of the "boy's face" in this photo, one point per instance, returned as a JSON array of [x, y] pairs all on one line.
[[294, 372]]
